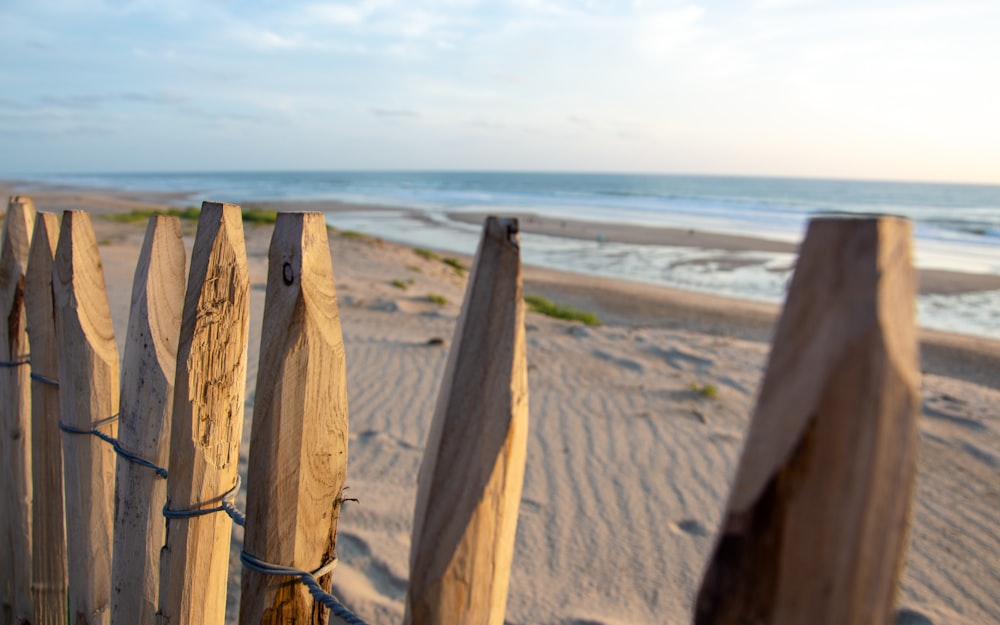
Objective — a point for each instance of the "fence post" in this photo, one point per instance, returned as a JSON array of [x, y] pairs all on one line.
[[48, 557], [88, 397], [298, 444], [147, 397], [470, 481], [15, 418], [209, 393], [816, 525]]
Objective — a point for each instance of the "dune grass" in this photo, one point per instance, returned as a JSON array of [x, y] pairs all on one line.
[[259, 216], [455, 264], [709, 391], [539, 304], [425, 253], [434, 298], [191, 213]]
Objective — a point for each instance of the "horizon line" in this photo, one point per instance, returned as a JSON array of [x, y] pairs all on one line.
[[33, 176]]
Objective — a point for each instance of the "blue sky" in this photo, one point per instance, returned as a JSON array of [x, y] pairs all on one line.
[[891, 90]]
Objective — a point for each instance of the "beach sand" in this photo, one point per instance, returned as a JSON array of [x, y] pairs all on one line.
[[628, 468]]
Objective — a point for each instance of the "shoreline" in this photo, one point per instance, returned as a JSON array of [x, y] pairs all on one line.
[[931, 281], [621, 301]]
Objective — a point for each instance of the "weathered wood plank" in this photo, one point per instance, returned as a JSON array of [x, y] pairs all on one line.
[[147, 397], [49, 581], [298, 445], [470, 481], [88, 394], [15, 418], [209, 393], [816, 523]]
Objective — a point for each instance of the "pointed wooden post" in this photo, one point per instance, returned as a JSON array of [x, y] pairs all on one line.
[[816, 524], [48, 523], [147, 397], [15, 412], [88, 396], [298, 445], [470, 481], [209, 393]]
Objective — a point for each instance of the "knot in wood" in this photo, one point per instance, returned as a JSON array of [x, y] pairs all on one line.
[[513, 228], [288, 274]]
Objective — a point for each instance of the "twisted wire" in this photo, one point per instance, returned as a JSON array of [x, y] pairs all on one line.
[[121, 451], [44, 380], [225, 505], [34, 376], [308, 579]]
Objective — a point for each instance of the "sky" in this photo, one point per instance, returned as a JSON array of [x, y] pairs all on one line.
[[895, 90]]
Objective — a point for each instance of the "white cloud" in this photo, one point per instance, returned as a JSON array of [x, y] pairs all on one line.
[[546, 8], [268, 39], [338, 14], [661, 36], [771, 5], [448, 90], [387, 113]]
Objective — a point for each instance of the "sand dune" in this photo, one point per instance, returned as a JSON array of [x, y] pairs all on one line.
[[628, 463]]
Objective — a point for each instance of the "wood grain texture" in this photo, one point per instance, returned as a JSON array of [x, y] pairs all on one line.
[[15, 419], [147, 398], [298, 445], [49, 581], [209, 393], [469, 489], [816, 524], [88, 393]]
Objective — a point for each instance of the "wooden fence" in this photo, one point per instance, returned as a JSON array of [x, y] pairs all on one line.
[[118, 501]]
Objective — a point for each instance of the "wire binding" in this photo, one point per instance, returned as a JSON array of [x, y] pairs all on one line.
[[308, 580], [226, 506], [111, 440]]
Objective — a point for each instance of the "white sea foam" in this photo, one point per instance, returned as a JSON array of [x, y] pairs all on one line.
[[764, 277]]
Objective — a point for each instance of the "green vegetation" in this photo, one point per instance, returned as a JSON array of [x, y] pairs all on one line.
[[360, 236], [434, 298], [402, 284], [414, 269], [709, 391], [539, 304], [455, 264], [425, 253], [191, 213], [259, 216]]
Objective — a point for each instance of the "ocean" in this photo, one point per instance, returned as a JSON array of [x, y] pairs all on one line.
[[956, 227]]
